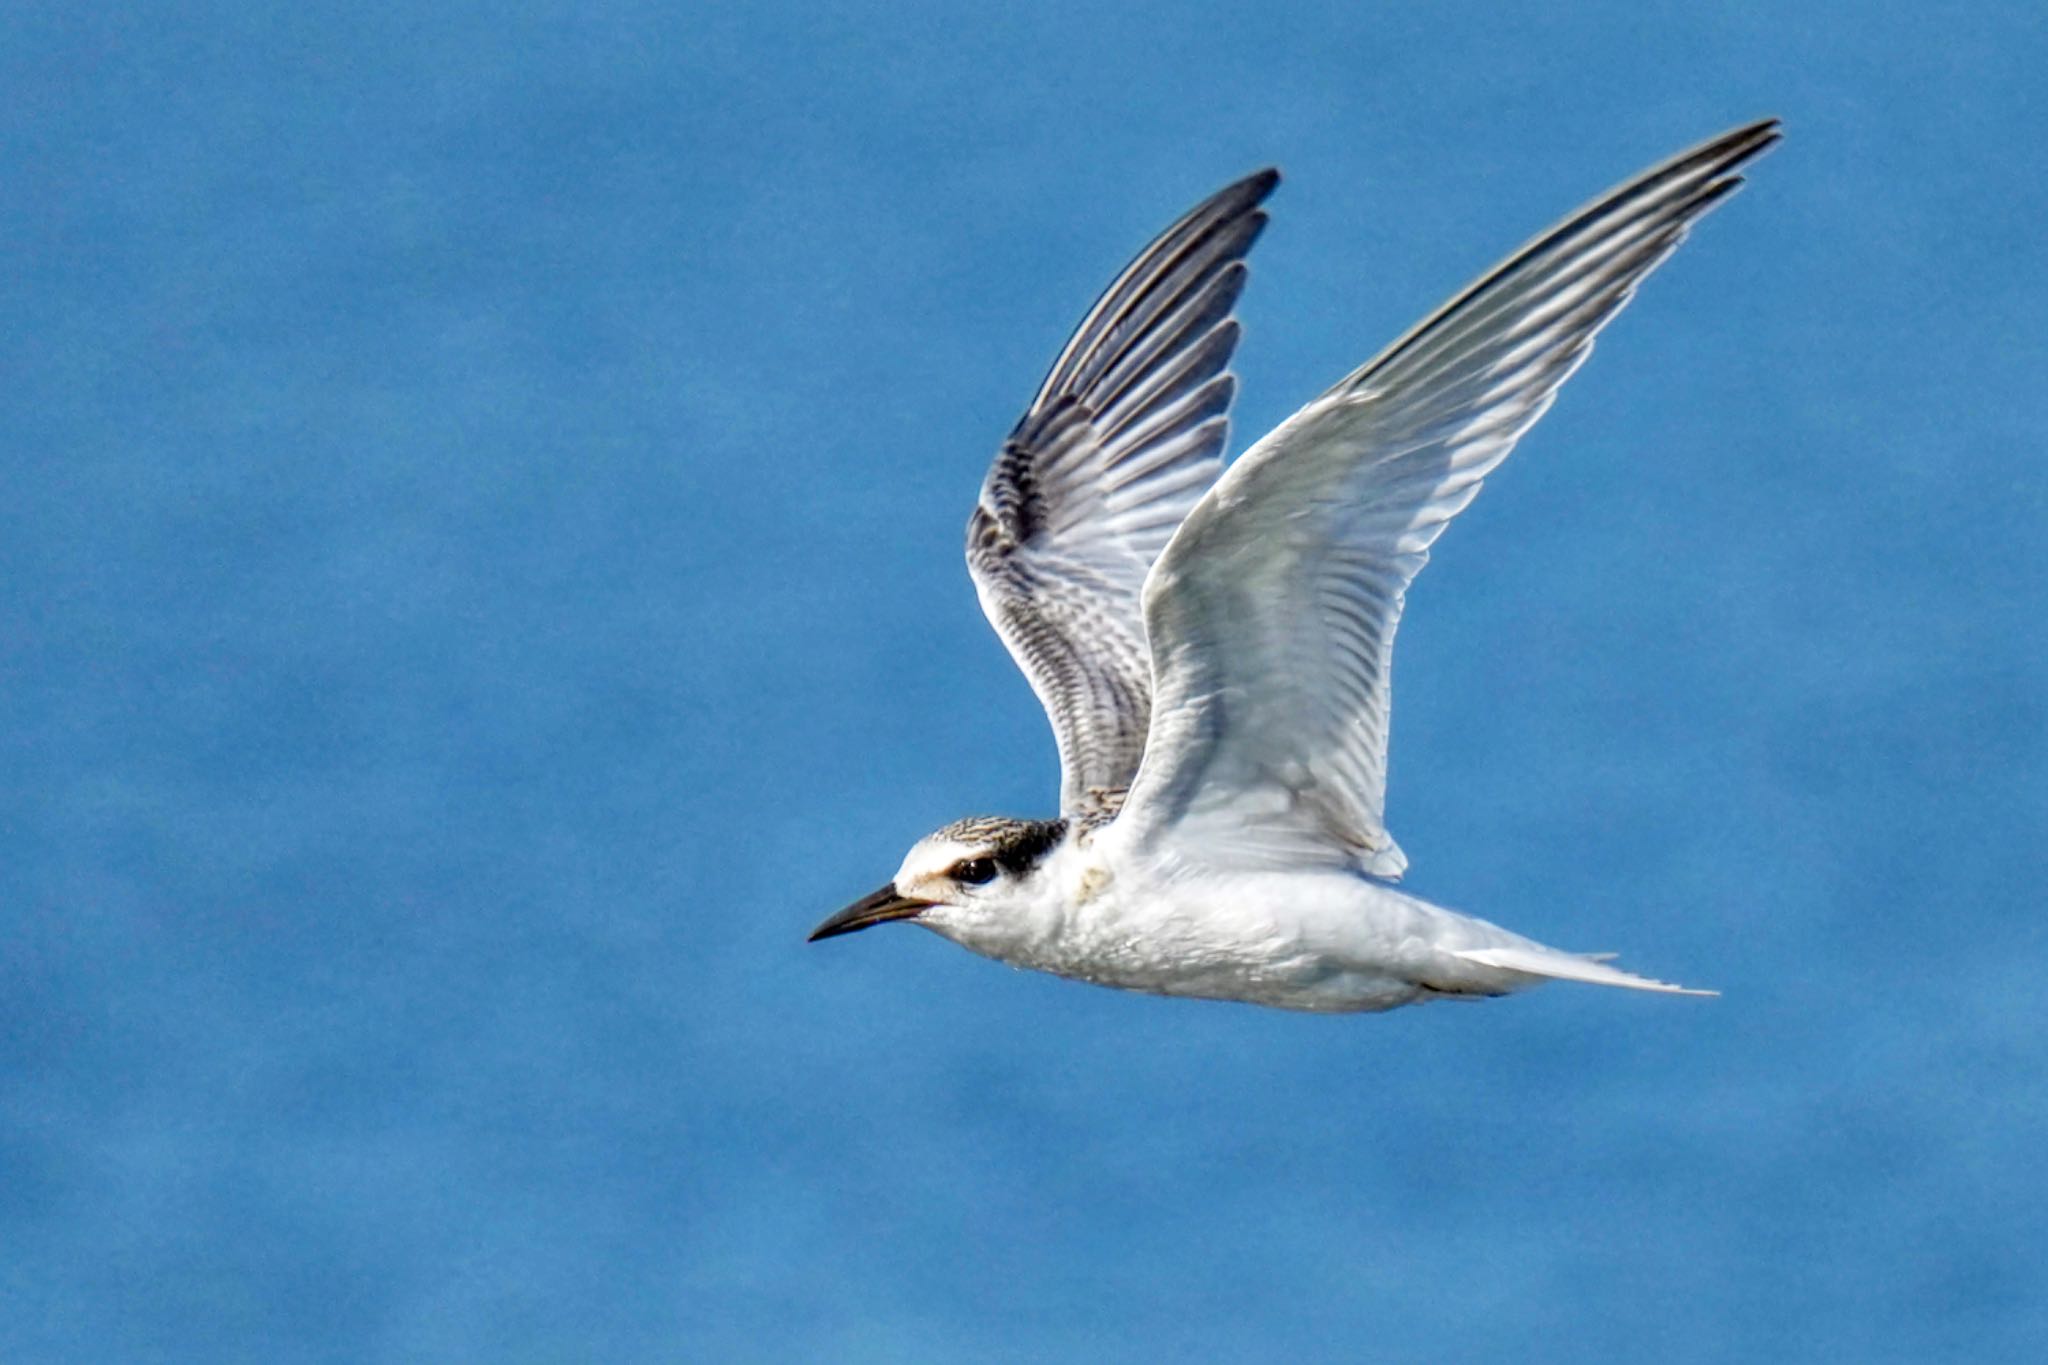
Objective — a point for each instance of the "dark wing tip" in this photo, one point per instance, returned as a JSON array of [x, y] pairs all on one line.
[[1740, 144], [1261, 183], [1239, 196]]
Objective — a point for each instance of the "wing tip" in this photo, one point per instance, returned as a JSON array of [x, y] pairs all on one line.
[[1743, 143], [1256, 186]]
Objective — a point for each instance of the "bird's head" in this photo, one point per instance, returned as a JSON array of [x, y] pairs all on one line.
[[972, 881]]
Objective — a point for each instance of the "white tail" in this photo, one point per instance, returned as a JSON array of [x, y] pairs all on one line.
[[1590, 968]]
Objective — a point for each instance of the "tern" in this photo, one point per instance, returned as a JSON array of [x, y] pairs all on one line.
[[1213, 646]]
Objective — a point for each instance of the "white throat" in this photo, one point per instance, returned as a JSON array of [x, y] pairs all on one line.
[[1034, 919]]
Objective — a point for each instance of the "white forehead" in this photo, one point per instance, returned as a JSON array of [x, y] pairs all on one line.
[[930, 857]]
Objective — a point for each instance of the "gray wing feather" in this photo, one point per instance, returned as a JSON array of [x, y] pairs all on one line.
[[1271, 616], [1123, 438]]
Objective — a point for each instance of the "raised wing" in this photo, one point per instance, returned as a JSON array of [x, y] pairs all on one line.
[[1124, 437], [1271, 616]]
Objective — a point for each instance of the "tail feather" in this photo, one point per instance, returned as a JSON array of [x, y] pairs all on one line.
[[1590, 968]]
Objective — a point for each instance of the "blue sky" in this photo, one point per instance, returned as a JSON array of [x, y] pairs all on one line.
[[480, 507]]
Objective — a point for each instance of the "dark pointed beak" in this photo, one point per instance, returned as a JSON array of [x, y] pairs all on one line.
[[879, 908]]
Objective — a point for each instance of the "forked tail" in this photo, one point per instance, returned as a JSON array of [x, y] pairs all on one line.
[[1591, 969]]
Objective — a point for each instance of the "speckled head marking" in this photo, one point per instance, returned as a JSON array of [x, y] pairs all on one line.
[[957, 876], [1016, 845]]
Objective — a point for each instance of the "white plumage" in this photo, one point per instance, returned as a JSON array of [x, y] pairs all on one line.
[[1215, 653]]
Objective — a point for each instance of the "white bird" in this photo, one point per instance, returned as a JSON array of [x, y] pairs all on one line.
[[1214, 652]]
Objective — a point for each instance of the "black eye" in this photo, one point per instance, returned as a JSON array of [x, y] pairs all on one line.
[[974, 871]]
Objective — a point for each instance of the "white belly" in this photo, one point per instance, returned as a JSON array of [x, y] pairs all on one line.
[[1305, 941]]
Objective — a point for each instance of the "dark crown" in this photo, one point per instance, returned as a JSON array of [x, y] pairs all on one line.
[[1017, 845]]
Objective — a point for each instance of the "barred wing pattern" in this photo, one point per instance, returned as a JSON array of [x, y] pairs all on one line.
[[1124, 437], [1271, 615]]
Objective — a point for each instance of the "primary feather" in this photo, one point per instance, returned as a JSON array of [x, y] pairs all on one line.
[[1123, 438], [1271, 615]]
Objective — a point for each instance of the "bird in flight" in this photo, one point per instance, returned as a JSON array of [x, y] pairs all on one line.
[[1213, 646]]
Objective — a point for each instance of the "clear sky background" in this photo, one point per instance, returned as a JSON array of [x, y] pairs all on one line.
[[481, 492]]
